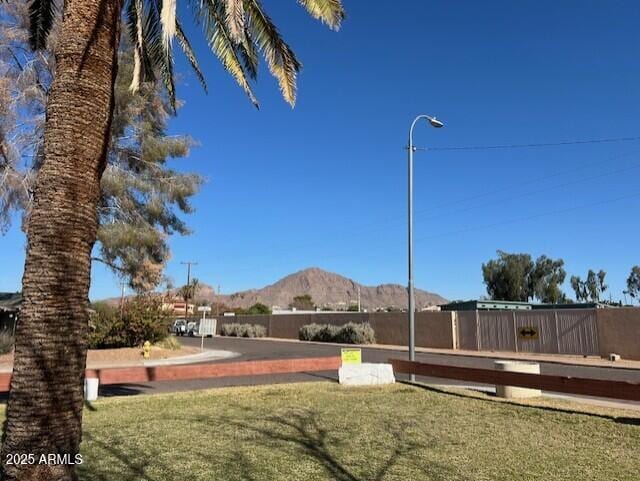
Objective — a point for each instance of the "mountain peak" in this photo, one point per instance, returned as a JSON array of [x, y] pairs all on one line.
[[331, 290]]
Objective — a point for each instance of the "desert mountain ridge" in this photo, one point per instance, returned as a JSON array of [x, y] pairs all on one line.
[[327, 290]]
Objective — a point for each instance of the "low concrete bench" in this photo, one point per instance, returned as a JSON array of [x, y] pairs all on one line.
[[517, 366]]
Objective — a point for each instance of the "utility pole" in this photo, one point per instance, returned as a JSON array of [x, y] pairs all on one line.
[[122, 286], [186, 300], [359, 299], [218, 302]]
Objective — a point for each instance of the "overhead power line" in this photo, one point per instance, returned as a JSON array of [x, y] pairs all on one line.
[[528, 146]]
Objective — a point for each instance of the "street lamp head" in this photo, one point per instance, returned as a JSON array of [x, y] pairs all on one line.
[[435, 122]]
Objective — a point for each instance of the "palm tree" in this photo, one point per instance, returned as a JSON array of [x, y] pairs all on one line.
[[44, 411], [188, 292]]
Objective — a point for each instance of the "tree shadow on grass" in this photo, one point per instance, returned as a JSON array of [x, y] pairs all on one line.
[[302, 430], [126, 462], [492, 398]]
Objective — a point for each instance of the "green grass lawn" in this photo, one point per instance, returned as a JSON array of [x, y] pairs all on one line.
[[323, 431]]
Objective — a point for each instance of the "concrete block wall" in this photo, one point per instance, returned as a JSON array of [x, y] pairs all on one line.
[[433, 329], [619, 332], [618, 329]]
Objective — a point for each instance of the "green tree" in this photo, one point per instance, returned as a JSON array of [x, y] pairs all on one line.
[[516, 277], [141, 196], [44, 411], [258, 309], [590, 289], [633, 282], [189, 291], [546, 278], [508, 278], [303, 303]]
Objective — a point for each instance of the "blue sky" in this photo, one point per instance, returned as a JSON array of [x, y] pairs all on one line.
[[325, 184]]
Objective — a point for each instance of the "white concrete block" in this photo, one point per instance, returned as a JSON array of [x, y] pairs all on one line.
[[366, 374]]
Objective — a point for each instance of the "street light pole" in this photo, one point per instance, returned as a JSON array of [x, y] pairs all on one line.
[[410, 287]]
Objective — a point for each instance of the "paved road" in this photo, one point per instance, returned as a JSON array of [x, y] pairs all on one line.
[[256, 349]]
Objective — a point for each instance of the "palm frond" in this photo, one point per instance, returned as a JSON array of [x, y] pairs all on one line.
[[329, 12], [168, 21], [164, 61], [160, 55], [134, 26], [249, 55], [234, 19], [189, 53], [41, 14], [281, 60], [236, 31], [222, 45]]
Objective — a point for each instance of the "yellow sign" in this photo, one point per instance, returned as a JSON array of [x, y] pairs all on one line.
[[351, 356], [528, 333]]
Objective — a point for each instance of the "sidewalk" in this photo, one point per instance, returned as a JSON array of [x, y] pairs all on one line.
[[207, 355]]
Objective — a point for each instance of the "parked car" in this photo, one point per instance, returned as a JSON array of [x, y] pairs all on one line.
[[179, 327], [192, 329]]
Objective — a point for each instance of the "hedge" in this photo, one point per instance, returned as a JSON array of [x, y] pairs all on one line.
[[235, 329], [350, 333]]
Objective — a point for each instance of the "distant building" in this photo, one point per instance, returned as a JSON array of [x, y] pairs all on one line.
[[489, 305], [278, 312], [176, 307]]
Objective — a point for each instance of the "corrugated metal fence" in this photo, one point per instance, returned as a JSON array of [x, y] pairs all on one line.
[[552, 332]]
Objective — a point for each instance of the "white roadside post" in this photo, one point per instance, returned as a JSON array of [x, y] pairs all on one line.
[[91, 385]]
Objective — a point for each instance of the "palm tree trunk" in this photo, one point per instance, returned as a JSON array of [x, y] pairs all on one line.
[[44, 412]]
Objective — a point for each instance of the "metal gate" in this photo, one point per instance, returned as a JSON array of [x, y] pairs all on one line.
[[565, 331]]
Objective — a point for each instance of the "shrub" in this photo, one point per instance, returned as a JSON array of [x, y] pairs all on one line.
[[6, 342], [309, 332], [142, 320], [328, 333], [259, 331], [234, 329], [231, 329], [350, 333]]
